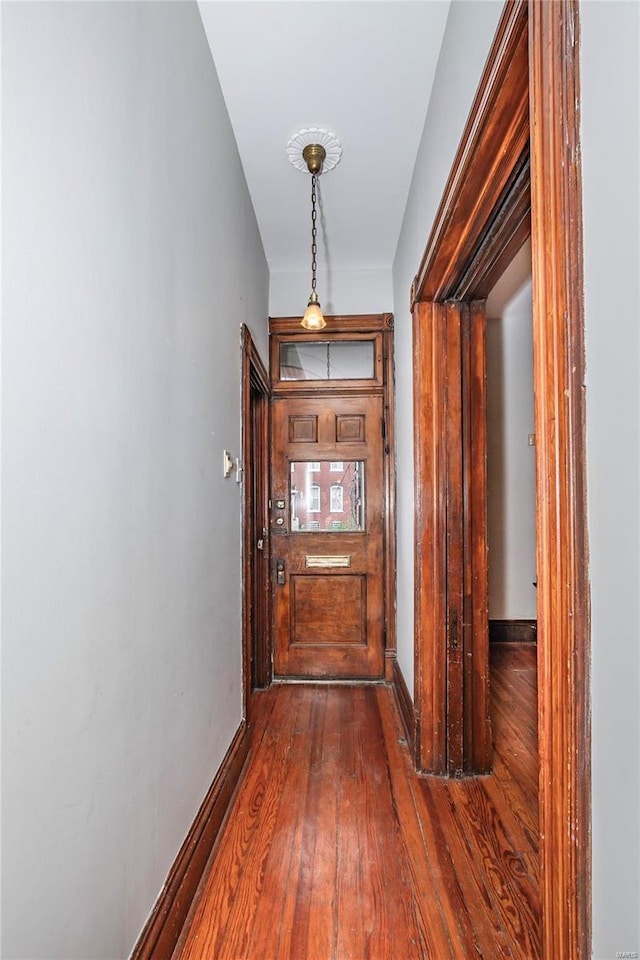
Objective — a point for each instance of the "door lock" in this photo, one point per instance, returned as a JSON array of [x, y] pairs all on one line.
[[280, 573]]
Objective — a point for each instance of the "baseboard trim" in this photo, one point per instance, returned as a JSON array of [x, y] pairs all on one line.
[[405, 705], [162, 930], [513, 631]]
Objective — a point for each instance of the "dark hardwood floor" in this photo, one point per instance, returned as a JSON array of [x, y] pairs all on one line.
[[336, 850]]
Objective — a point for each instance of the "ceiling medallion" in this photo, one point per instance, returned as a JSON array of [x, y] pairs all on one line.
[[314, 135]]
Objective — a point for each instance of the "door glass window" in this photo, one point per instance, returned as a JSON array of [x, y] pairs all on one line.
[[327, 360], [323, 499]]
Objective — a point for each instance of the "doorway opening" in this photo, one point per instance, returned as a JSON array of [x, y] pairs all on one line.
[[517, 172], [331, 522], [256, 601], [511, 480]]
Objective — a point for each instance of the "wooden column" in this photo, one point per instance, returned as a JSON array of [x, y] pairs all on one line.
[[430, 525], [452, 683], [563, 593]]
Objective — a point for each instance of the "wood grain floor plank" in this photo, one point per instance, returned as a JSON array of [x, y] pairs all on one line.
[[439, 936], [314, 917], [386, 882], [273, 924], [465, 891], [336, 850], [224, 914]]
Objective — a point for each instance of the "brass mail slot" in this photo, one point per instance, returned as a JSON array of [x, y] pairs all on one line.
[[311, 561]]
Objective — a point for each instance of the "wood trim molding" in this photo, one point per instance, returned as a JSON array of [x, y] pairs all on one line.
[[378, 328], [494, 139], [563, 590], [162, 930], [509, 228], [389, 395], [549, 72], [349, 323], [478, 739], [405, 705], [430, 574], [254, 379]]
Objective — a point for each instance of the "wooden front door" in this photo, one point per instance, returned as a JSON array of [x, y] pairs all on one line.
[[327, 523]]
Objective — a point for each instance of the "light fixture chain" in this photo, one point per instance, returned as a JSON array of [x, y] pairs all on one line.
[[314, 234]]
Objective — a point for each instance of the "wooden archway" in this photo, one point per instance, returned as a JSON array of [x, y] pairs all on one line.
[[517, 171]]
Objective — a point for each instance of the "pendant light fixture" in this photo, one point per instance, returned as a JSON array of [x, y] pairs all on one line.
[[315, 151], [313, 319]]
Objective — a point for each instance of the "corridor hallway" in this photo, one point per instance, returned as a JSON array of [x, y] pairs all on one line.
[[336, 850]]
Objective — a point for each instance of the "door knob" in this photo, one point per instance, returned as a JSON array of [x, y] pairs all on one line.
[[280, 573]]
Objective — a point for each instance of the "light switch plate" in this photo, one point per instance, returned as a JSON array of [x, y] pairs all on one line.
[[227, 464]]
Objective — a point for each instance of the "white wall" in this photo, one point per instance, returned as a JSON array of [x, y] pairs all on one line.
[[467, 38], [611, 174], [511, 473], [131, 257], [340, 291]]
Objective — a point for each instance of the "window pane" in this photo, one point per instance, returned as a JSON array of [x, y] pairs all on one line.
[[323, 499], [327, 360], [314, 498]]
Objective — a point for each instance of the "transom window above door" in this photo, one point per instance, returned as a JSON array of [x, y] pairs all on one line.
[[327, 360], [353, 359]]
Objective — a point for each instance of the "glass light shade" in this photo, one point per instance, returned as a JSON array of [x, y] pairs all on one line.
[[313, 319]]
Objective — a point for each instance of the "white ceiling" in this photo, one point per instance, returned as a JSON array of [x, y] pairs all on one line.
[[362, 69]]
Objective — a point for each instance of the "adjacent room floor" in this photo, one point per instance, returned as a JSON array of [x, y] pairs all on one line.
[[336, 850]]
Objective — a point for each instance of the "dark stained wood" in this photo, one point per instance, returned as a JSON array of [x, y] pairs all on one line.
[[508, 229], [492, 143], [453, 442], [430, 566], [355, 432], [404, 703], [162, 930], [478, 751], [329, 623], [337, 850], [377, 328], [256, 585], [389, 449], [336, 324], [452, 564], [563, 579]]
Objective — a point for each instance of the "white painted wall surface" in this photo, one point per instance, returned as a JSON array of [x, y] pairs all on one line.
[[511, 469], [611, 176], [467, 38], [131, 257], [340, 291]]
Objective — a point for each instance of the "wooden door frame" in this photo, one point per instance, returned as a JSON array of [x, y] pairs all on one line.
[[342, 326], [526, 108], [254, 375]]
